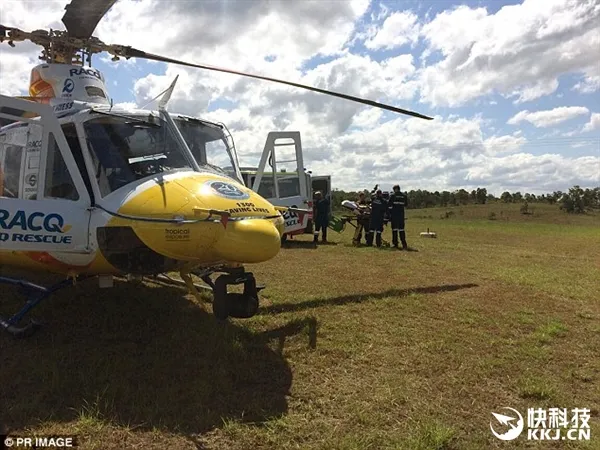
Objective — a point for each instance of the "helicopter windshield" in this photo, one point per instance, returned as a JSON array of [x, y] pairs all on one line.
[[126, 149], [208, 145]]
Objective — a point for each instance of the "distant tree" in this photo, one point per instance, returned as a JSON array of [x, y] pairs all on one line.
[[596, 198], [555, 197], [462, 197], [572, 202], [589, 198], [338, 196], [430, 199], [576, 200], [453, 200], [445, 198], [481, 195], [506, 197]]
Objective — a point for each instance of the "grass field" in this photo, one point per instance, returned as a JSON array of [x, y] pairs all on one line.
[[354, 348]]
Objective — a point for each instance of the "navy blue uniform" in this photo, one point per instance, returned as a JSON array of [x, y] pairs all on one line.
[[397, 203], [321, 210], [378, 209]]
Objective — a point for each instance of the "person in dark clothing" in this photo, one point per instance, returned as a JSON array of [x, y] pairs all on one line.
[[321, 214], [398, 201], [378, 209]]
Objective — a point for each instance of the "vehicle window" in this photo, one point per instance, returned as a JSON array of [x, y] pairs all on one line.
[[266, 188], [11, 157], [59, 183], [289, 187], [20, 162]]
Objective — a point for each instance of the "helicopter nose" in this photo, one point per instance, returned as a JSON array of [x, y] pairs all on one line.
[[249, 241]]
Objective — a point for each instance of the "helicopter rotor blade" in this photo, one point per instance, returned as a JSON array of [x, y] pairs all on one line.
[[129, 52], [82, 16]]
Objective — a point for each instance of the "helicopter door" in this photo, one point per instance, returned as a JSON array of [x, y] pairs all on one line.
[[50, 212]]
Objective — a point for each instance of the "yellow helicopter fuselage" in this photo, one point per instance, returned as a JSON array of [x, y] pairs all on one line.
[[80, 194]]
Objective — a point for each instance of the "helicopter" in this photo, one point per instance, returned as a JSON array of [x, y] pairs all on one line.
[[88, 189]]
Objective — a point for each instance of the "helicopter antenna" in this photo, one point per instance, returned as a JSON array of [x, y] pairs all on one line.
[[158, 96], [162, 105]]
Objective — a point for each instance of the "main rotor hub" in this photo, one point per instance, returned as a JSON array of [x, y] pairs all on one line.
[[58, 46]]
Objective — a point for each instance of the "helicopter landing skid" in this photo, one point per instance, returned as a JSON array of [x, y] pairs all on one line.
[[34, 294]]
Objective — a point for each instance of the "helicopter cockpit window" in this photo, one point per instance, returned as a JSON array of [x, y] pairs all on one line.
[[125, 150], [59, 183], [208, 145]]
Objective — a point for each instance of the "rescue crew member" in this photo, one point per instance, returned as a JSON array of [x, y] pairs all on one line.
[[378, 209], [362, 222], [398, 201], [321, 214]]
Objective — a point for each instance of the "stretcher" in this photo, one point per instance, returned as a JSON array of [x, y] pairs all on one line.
[[359, 219]]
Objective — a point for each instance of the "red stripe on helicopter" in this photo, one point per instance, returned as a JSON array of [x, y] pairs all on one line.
[[48, 259]]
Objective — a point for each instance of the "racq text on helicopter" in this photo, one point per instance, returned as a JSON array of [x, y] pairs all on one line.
[[91, 190]]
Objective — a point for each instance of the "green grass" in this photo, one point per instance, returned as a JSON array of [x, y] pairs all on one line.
[[354, 348]]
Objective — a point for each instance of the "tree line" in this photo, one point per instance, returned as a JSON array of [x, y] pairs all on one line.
[[575, 200]]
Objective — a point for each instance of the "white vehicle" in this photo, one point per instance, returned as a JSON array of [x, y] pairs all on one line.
[[281, 178]]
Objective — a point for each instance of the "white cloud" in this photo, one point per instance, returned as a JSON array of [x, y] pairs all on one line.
[[588, 85], [593, 124], [504, 144], [548, 118], [398, 29], [236, 34], [546, 172], [519, 52], [18, 66]]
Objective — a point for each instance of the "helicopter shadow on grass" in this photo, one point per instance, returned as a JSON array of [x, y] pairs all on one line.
[[295, 244], [359, 298], [140, 355]]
